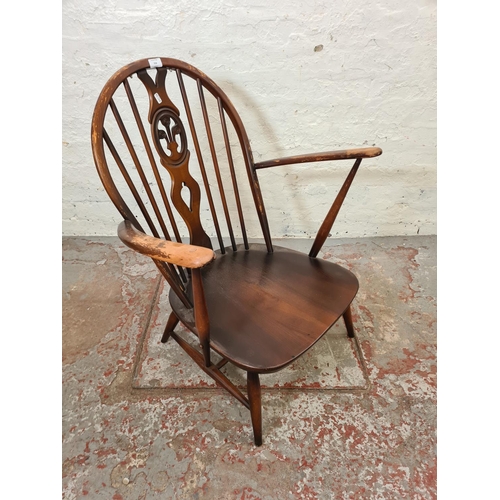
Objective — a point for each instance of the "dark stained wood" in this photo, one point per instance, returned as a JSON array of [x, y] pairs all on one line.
[[200, 159], [233, 173], [152, 161], [327, 224], [172, 322], [261, 211], [131, 186], [166, 125], [222, 363], [348, 322], [216, 164], [254, 396], [139, 168], [211, 371], [154, 167], [173, 280], [260, 307], [267, 309], [201, 320], [158, 97], [169, 273], [344, 154]]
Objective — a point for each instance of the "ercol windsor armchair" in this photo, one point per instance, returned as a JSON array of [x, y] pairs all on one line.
[[258, 306]]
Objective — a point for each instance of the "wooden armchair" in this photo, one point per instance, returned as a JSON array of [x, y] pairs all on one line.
[[258, 306]]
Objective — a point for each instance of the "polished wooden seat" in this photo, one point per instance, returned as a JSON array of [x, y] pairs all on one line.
[[258, 306], [266, 309]]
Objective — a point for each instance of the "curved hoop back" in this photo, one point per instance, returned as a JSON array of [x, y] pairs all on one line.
[[148, 125], [119, 132]]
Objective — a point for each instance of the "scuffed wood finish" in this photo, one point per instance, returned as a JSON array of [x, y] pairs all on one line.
[[344, 154], [179, 254], [259, 307]]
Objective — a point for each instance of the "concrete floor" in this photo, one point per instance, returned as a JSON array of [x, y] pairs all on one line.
[[352, 419]]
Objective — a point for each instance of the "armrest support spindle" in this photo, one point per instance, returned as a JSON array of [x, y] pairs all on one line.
[[327, 224], [201, 314]]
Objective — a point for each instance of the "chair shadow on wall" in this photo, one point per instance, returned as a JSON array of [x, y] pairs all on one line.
[[251, 113]]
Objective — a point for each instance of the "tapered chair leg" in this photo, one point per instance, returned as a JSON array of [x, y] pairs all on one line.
[[348, 322], [171, 324], [254, 396]]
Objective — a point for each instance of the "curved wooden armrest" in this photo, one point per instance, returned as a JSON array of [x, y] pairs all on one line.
[[179, 254], [344, 154]]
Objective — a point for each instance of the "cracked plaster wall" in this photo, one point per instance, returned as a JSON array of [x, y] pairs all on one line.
[[304, 76]]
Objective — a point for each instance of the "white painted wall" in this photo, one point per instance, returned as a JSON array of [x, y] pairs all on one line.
[[373, 83]]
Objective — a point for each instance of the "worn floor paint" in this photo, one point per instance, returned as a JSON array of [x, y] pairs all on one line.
[[140, 422]]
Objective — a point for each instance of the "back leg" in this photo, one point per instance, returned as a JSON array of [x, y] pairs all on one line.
[[171, 324], [348, 322], [254, 396]]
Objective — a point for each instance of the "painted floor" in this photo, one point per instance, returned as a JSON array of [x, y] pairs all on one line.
[[352, 419]]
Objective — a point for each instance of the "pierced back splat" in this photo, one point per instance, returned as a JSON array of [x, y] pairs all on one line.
[[169, 139]]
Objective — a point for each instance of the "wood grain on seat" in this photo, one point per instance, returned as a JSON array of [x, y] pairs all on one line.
[[266, 309]]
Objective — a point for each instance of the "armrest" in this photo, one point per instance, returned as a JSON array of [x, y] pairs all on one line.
[[180, 254], [344, 154]]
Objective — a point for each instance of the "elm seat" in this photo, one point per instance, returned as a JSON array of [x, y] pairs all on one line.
[[266, 309], [167, 141]]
